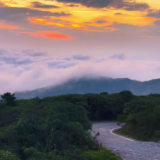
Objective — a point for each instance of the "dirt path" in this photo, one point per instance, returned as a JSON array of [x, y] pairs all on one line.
[[126, 148]]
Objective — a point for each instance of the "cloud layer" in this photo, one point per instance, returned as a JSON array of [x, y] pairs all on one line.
[[118, 4], [27, 70]]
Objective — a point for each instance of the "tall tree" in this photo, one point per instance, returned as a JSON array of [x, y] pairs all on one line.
[[9, 99]]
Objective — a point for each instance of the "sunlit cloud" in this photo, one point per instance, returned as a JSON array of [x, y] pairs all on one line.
[[5, 26], [71, 25], [50, 35], [101, 14]]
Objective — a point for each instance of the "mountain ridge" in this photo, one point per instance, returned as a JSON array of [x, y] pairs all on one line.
[[94, 85]]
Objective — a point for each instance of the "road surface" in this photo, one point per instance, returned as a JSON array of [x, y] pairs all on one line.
[[126, 148]]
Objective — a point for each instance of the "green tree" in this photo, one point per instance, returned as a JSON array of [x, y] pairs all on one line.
[[9, 99], [126, 96]]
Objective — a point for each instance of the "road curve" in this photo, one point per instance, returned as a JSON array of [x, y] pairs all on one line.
[[126, 148]]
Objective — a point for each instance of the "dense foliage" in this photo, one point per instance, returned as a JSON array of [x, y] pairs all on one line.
[[100, 107], [57, 128], [142, 117]]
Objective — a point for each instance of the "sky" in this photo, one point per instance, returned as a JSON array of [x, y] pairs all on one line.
[[48, 42]]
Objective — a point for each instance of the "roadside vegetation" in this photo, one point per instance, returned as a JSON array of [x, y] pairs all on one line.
[[142, 118]]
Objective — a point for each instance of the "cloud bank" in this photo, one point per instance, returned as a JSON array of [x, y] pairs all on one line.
[[27, 70], [118, 4]]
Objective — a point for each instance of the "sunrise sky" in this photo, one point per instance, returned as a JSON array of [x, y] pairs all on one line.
[[47, 42]]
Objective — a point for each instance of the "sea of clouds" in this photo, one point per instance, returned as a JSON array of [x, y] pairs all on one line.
[[28, 70]]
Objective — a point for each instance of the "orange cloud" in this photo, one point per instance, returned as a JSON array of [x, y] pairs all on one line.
[[70, 25], [3, 26], [50, 35], [45, 22]]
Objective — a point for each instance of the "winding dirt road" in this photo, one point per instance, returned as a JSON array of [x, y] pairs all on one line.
[[126, 148]]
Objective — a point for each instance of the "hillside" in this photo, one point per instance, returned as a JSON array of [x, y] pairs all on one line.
[[55, 128], [94, 85]]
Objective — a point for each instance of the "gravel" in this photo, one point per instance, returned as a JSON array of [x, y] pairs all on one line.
[[127, 149]]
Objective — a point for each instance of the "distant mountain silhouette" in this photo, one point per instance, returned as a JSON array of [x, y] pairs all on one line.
[[94, 85]]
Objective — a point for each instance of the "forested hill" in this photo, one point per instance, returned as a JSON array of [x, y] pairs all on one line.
[[56, 128], [94, 85]]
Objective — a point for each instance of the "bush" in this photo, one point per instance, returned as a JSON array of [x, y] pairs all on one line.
[[6, 155], [102, 154]]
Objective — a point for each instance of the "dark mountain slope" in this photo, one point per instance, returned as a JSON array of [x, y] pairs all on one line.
[[95, 85]]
